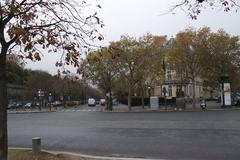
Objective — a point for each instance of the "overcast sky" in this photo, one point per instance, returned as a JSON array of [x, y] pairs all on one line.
[[138, 17]]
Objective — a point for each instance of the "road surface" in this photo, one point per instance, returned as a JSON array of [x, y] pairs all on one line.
[[211, 135]]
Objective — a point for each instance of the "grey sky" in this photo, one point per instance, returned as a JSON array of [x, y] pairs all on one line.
[[138, 17]]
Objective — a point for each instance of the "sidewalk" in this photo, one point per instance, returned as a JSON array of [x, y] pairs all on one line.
[[211, 106], [20, 111], [55, 109]]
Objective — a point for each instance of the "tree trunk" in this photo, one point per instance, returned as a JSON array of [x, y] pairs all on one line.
[[3, 107], [129, 98], [193, 95], [142, 97], [109, 100]]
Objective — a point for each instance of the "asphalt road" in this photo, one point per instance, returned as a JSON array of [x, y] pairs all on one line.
[[167, 135]]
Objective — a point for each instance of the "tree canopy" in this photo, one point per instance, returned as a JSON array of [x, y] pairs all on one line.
[[205, 54], [58, 26], [124, 65], [31, 28]]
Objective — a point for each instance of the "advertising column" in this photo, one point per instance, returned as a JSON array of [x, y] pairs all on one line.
[[225, 91], [227, 94]]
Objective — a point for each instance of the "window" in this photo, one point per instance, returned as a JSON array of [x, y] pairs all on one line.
[[179, 90], [169, 75], [170, 91]]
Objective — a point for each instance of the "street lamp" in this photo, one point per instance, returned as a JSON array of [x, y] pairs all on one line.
[[40, 97], [149, 94], [50, 100]]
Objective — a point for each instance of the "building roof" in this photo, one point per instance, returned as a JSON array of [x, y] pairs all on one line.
[[160, 40]]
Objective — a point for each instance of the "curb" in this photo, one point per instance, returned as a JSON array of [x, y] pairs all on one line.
[[144, 111], [162, 111], [83, 155]]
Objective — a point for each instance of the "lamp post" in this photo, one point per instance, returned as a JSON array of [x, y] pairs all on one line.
[[40, 96], [50, 100], [149, 94]]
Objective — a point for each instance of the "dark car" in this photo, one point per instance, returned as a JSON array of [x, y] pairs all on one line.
[[11, 105], [19, 105], [28, 105], [15, 105]]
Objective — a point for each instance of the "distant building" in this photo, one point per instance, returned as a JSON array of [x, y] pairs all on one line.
[[170, 83]]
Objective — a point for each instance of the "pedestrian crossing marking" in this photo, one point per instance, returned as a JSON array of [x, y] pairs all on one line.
[[81, 110]]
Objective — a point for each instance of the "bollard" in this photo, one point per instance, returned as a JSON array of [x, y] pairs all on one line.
[[36, 145]]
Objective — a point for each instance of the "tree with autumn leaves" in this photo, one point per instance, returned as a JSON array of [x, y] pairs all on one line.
[[204, 54], [100, 68], [223, 53], [135, 64], [126, 61], [30, 27], [140, 62]]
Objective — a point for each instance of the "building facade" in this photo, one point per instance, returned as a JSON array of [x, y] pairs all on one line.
[[171, 84]]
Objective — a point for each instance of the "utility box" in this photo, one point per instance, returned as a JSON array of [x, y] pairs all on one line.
[[154, 103], [180, 103]]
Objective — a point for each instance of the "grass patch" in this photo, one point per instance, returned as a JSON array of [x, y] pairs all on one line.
[[28, 155]]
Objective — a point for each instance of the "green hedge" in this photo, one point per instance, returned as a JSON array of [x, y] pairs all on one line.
[[137, 101]]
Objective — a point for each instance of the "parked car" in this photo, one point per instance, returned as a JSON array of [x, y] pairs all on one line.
[[102, 102], [97, 102], [28, 105], [91, 102], [235, 99], [115, 101], [11, 105], [19, 105], [15, 105], [36, 104], [57, 103]]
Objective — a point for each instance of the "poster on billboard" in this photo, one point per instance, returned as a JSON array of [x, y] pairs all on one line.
[[165, 90], [227, 94], [227, 87]]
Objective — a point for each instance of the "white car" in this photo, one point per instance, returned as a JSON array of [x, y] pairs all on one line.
[[91, 102], [102, 102]]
